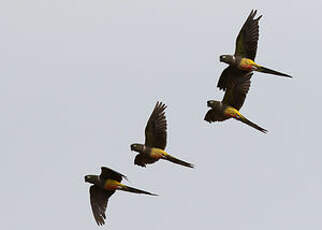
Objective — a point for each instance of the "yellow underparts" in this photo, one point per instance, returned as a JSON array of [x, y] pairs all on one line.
[[232, 112], [157, 153], [112, 184], [248, 64]]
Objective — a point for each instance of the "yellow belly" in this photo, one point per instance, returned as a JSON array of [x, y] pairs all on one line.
[[111, 184], [157, 153], [247, 64], [232, 112]]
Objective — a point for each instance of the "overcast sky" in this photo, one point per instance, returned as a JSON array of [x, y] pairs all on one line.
[[79, 80]]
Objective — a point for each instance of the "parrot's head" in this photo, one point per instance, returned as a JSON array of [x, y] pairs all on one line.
[[137, 147], [92, 179], [213, 104], [229, 59]]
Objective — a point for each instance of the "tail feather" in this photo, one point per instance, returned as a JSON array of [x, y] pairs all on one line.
[[248, 122], [177, 161], [135, 190], [270, 71]]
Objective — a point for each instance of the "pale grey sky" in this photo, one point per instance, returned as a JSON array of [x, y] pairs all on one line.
[[79, 80]]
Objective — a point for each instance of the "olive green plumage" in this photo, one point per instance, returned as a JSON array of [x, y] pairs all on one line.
[[155, 140], [100, 193], [245, 49], [234, 98]]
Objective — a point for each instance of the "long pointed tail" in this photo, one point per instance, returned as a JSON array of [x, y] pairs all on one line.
[[135, 190], [248, 122], [177, 161], [270, 71]]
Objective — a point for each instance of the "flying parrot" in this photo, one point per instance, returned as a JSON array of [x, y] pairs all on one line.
[[245, 51], [103, 188], [234, 98], [155, 140]]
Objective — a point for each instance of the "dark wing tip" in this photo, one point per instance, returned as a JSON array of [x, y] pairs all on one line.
[[160, 105], [156, 127], [222, 82], [98, 201], [207, 118], [103, 168], [100, 222], [108, 172], [253, 14], [100, 219], [259, 17], [138, 160], [221, 87], [141, 165]]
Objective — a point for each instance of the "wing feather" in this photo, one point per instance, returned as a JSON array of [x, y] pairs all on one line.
[[142, 160], [98, 200], [237, 90], [107, 173], [247, 39], [229, 74], [212, 116], [156, 128]]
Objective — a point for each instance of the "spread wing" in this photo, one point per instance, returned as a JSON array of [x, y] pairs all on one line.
[[98, 199], [212, 116], [247, 39], [142, 160], [107, 173], [156, 128], [237, 90], [229, 74], [139, 160]]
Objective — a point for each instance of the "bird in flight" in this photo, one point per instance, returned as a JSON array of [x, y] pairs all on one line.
[[245, 51], [233, 100], [155, 140], [103, 188]]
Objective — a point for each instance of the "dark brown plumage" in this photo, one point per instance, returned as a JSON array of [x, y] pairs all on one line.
[[104, 186], [237, 90], [234, 96], [233, 100], [155, 140], [246, 46], [99, 198], [155, 134], [156, 128], [107, 173], [247, 39], [243, 59]]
